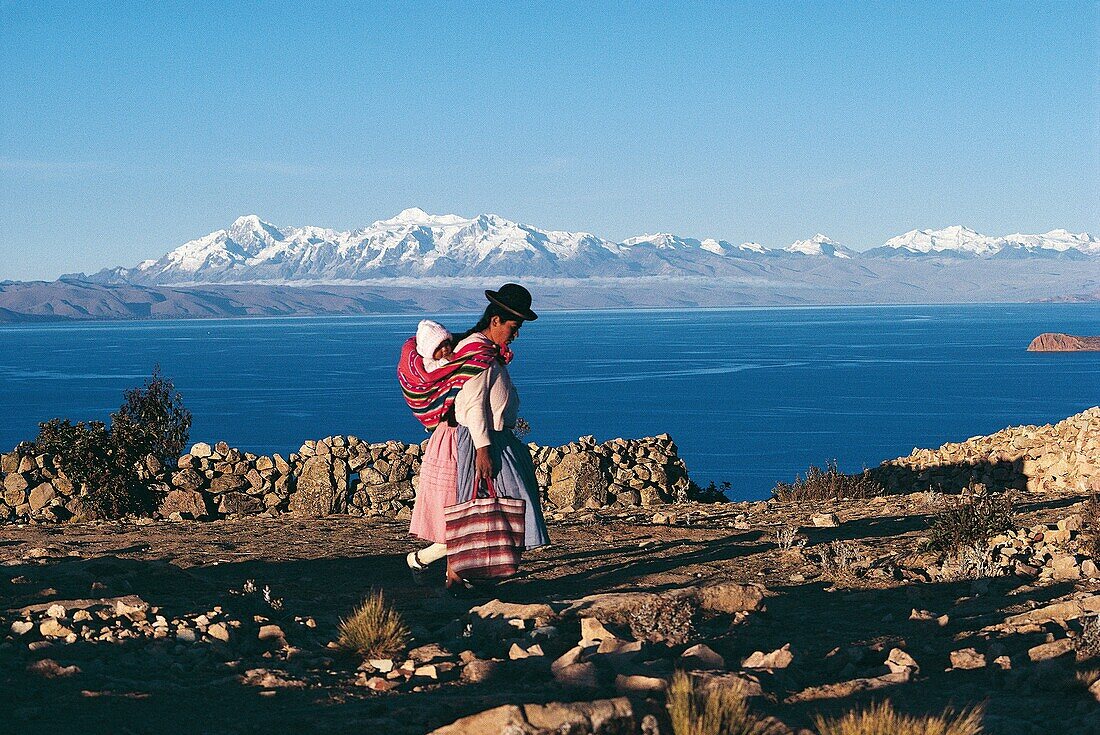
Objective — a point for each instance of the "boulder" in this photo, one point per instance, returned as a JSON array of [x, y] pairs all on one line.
[[187, 479], [188, 503], [239, 503], [227, 484], [317, 493], [576, 479], [41, 495], [779, 659], [731, 597]]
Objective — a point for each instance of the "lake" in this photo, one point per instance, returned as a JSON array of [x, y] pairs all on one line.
[[751, 396]]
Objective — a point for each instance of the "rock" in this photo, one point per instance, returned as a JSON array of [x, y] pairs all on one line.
[[701, 656], [219, 631], [575, 479], [41, 495], [227, 484], [538, 614], [187, 635], [639, 684], [778, 659], [825, 520], [845, 689], [900, 662], [239, 503], [507, 718], [967, 658], [51, 628], [56, 611], [731, 597], [271, 632], [592, 631], [50, 669], [201, 450], [1089, 569], [22, 627], [317, 493], [1047, 651], [479, 671], [1065, 567], [377, 683], [188, 503], [577, 676]]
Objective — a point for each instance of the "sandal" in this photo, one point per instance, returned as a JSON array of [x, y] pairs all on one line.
[[418, 569], [459, 588]]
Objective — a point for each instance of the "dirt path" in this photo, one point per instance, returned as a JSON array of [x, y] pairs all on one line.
[[321, 568]]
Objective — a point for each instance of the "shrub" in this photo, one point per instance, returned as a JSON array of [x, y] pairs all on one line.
[[374, 629], [712, 493], [971, 520], [109, 463], [664, 619], [827, 484], [882, 719], [1088, 643], [152, 420], [838, 558], [713, 711]]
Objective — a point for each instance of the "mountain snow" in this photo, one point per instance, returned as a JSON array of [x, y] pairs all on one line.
[[418, 244]]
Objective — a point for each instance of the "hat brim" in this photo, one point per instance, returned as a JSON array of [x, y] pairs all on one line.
[[528, 315]]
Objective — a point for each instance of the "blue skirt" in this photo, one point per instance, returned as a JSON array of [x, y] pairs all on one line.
[[515, 478]]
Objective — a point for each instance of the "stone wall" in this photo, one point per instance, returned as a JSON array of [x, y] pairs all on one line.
[[344, 474], [1055, 458]]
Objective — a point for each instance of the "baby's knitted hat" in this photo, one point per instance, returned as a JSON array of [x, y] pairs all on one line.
[[428, 336]]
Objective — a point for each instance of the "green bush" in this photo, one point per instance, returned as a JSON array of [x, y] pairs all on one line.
[[827, 484], [971, 520], [374, 629], [111, 464]]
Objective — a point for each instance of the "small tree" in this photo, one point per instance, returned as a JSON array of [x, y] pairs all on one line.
[[109, 462]]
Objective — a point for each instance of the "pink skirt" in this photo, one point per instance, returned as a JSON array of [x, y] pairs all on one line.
[[438, 486]]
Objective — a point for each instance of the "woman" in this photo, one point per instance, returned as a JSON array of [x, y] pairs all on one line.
[[470, 407]]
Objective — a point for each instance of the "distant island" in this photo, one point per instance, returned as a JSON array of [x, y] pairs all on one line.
[[421, 262], [1056, 342]]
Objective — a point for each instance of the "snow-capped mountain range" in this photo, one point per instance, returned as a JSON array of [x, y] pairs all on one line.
[[418, 244]]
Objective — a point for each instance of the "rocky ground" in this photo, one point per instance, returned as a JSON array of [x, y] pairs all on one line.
[[227, 626]]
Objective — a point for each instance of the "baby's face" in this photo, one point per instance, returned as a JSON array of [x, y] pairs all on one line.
[[445, 350]]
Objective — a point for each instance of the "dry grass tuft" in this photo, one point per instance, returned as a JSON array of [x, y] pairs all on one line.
[[882, 719], [374, 629], [827, 484], [714, 711]]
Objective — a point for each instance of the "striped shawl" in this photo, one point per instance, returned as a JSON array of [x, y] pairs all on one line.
[[431, 393]]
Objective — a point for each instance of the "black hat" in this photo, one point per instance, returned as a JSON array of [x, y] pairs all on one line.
[[513, 298]]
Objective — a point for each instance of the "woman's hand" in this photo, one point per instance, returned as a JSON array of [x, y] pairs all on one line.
[[483, 465]]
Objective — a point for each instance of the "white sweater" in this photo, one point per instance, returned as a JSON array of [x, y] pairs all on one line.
[[488, 401]]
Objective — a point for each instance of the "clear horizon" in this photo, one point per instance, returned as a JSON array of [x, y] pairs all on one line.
[[127, 132]]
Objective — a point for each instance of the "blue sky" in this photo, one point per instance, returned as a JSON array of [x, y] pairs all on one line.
[[125, 131]]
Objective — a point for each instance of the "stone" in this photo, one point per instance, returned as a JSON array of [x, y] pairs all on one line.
[[507, 718], [539, 614], [56, 611], [317, 493], [227, 484], [51, 628], [731, 597], [575, 479], [1065, 567], [967, 658], [900, 662], [479, 671], [592, 631], [701, 656], [201, 450], [578, 676], [825, 520], [188, 503], [22, 627], [779, 659], [271, 632], [239, 503], [639, 684], [1053, 649], [50, 669], [41, 495], [219, 631], [187, 635]]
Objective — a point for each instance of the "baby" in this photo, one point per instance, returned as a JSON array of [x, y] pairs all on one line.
[[433, 343]]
